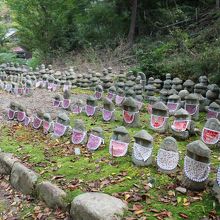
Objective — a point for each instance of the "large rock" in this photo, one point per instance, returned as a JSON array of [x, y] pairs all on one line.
[[97, 206], [6, 163], [52, 195], [23, 179]]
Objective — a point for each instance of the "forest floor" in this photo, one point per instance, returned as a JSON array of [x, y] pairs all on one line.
[[149, 193]]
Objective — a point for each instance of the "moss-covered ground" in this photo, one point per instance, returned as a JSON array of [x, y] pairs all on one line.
[[98, 171]]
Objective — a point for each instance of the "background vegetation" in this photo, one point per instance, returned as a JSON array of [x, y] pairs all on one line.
[[160, 36]]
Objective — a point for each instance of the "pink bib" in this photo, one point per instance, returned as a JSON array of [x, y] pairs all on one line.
[[94, 142], [157, 121], [180, 125], [210, 136], [118, 148], [128, 116], [119, 99], [78, 136], [21, 116]]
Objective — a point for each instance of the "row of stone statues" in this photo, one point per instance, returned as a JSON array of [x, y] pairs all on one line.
[[196, 161]]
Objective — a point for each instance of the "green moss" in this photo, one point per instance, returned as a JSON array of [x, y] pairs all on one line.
[[55, 161]]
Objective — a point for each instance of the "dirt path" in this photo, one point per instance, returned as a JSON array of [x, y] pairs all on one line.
[[40, 100]]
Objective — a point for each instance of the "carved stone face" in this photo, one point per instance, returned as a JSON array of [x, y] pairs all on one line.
[[13, 106], [97, 132], [213, 124], [169, 144], [47, 117], [198, 151], [121, 134], [91, 102], [143, 142], [159, 112], [79, 125], [62, 118], [66, 94]]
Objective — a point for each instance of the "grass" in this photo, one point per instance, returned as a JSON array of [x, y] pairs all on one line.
[[55, 161]]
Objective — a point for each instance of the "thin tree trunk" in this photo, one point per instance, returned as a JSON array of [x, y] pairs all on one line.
[[133, 23], [218, 4]]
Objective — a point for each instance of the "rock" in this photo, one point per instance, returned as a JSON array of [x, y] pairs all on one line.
[[97, 206], [52, 195], [23, 179], [6, 163], [181, 189]]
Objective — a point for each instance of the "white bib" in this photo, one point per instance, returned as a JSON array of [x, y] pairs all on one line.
[[195, 170], [142, 153], [167, 160]]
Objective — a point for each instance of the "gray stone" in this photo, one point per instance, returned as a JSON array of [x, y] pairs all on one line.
[[6, 163], [131, 115], [168, 144], [182, 115], [197, 151], [52, 195], [181, 189], [97, 206], [108, 113], [23, 179], [144, 140], [159, 109]]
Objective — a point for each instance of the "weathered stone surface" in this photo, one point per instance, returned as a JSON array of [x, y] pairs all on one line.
[[144, 140], [6, 163], [181, 189], [52, 195], [23, 179], [216, 191], [97, 206]]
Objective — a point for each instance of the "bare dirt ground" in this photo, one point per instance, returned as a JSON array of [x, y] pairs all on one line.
[[40, 100]]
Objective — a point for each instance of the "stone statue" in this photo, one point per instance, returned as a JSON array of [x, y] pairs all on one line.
[[95, 139], [91, 106], [119, 142], [142, 148], [196, 166], [108, 111], [61, 125], [159, 117], [168, 156], [79, 135], [131, 115]]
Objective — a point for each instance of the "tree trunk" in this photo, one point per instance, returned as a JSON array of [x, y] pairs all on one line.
[[133, 23], [218, 4]]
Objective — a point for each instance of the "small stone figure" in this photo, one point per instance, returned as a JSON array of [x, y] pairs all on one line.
[[139, 100], [211, 132], [21, 114], [213, 111], [38, 120], [168, 156], [12, 111], [177, 84], [111, 93], [131, 115], [79, 135], [98, 92], [119, 142], [91, 106], [108, 111], [61, 126], [120, 96], [95, 139], [173, 103], [189, 85], [47, 123], [66, 99], [77, 107], [142, 149], [196, 166], [182, 126], [57, 102], [28, 88], [212, 93], [216, 186], [151, 101], [192, 105], [159, 117]]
